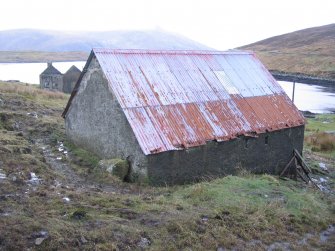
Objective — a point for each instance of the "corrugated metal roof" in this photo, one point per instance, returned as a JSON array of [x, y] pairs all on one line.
[[179, 99]]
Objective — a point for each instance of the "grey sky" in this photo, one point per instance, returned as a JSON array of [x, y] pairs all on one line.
[[218, 24]]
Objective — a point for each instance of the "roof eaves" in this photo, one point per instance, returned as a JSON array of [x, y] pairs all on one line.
[[51, 70]]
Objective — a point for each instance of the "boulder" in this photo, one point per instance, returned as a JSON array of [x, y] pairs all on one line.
[[117, 167]]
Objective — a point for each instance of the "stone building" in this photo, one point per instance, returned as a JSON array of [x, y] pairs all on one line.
[[70, 78], [177, 116], [51, 79]]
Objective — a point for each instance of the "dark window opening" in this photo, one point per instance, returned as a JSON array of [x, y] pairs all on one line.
[[266, 140]]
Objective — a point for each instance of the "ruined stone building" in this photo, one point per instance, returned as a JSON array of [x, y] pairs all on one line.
[[70, 78], [177, 116], [53, 80]]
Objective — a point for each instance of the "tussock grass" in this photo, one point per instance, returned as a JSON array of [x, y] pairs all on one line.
[[30, 91], [321, 142], [319, 135]]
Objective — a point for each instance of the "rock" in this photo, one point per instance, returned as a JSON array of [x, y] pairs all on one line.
[[66, 199], [2, 102], [323, 166], [34, 179], [40, 237], [83, 240], [33, 114], [220, 249], [144, 242], [204, 219], [117, 167], [39, 241], [322, 180], [2, 175], [43, 234]]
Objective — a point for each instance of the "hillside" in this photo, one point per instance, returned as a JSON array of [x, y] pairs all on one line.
[[54, 196], [38, 42], [28, 45], [309, 51], [41, 56]]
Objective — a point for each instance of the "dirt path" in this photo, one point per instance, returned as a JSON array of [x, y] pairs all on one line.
[[59, 158]]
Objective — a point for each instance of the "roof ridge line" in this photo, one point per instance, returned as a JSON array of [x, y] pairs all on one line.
[[171, 52]]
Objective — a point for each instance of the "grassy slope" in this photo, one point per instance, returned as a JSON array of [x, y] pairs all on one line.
[[40, 56], [243, 212], [310, 51]]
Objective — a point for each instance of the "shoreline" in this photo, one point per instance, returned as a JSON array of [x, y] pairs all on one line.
[[301, 78]]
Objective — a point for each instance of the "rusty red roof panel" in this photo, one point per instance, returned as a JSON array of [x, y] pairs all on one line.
[[179, 99]]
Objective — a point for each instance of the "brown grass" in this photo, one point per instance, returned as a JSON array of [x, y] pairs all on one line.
[[321, 141], [30, 90], [310, 52]]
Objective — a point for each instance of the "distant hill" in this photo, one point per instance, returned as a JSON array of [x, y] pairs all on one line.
[[60, 41], [309, 51], [28, 45]]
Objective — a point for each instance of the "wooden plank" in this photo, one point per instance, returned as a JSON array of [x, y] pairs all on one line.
[[303, 163], [296, 168], [303, 178], [287, 166]]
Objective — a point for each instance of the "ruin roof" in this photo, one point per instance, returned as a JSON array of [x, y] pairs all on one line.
[[179, 99], [73, 68], [51, 70]]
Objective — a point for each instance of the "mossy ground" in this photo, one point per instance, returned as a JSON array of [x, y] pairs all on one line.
[[82, 209]]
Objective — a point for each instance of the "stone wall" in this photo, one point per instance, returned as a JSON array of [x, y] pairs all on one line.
[[69, 80], [95, 121], [52, 82], [268, 153]]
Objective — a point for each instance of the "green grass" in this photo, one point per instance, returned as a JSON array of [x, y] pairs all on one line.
[[229, 212], [82, 157], [321, 123]]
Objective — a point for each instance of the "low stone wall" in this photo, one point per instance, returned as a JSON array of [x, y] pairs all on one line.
[[268, 153]]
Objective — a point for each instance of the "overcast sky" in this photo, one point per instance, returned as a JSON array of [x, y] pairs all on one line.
[[220, 24]]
